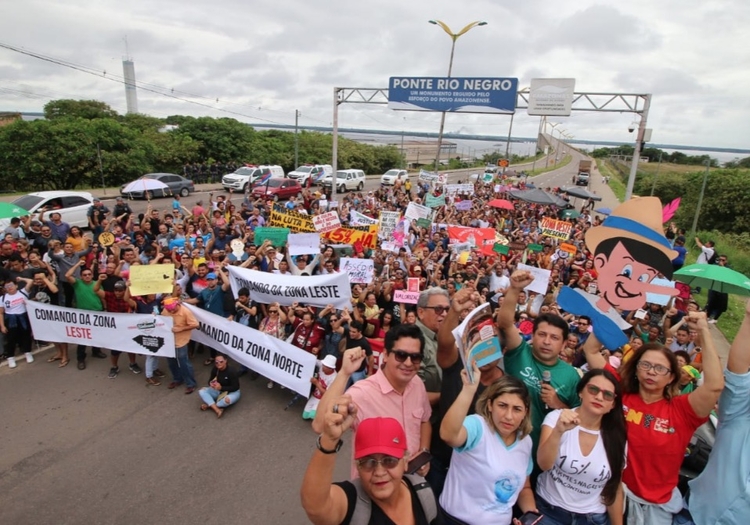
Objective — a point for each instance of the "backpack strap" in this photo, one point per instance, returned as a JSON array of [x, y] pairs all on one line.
[[363, 503]]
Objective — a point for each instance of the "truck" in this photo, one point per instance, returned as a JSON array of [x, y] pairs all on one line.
[[584, 173]]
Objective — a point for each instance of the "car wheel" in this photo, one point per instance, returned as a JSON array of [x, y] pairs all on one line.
[[299, 195], [275, 198], [246, 187], [361, 185], [341, 189], [149, 195], [184, 192]]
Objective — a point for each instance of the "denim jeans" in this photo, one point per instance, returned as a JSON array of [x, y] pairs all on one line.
[[209, 396], [152, 363], [356, 376], [81, 352], [181, 367], [558, 516]]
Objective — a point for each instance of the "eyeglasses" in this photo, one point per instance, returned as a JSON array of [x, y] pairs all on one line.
[[369, 464], [401, 356], [219, 362], [439, 310], [273, 311], [594, 390], [659, 369]]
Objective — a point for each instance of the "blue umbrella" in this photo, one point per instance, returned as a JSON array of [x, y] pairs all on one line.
[[604, 211]]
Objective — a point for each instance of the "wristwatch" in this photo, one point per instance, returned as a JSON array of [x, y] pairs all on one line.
[[326, 451]]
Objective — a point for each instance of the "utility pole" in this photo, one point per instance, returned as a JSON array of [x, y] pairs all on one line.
[[101, 168], [653, 186], [296, 139], [637, 150], [700, 200], [507, 144]]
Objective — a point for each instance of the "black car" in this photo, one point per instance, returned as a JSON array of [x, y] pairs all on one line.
[[176, 185]]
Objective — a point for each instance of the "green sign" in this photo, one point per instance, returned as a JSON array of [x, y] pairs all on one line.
[[277, 236], [424, 223], [502, 249], [434, 202], [534, 247]]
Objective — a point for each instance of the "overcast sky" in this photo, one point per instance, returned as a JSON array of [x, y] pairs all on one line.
[[263, 60]]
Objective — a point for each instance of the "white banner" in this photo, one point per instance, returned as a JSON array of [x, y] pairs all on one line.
[[327, 222], [314, 290], [359, 219], [272, 358], [388, 222], [360, 270], [145, 334], [452, 189], [303, 243], [541, 278], [416, 211], [428, 176]]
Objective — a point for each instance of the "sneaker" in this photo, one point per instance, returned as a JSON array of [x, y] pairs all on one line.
[[98, 354], [29, 357], [270, 384], [113, 372], [150, 381], [12, 362], [712, 321], [159, 373], [135, 368]]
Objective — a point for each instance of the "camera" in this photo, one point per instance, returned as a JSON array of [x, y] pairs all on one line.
[[631, 127]]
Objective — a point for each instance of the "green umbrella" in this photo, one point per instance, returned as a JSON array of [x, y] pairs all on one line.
[[571, 214], [714, 277], [8, 210]]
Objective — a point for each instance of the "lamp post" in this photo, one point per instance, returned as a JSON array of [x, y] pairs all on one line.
[[454, 37], [552, 134]]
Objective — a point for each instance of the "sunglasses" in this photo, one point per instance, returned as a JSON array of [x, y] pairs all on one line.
[[439, 310], [594, 390], [401, 356], [273, 311], [369, 464]]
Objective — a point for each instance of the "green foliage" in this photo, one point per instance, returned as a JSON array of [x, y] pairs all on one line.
[[223, 139], [654, 154], [742, 163], [86, 109]]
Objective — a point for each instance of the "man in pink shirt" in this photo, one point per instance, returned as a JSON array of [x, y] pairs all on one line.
[[394, 390]]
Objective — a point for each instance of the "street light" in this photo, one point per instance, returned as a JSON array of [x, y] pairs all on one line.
[[454, 37], [552, 134]]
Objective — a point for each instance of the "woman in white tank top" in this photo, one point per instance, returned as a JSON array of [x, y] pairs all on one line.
[[582, 454]]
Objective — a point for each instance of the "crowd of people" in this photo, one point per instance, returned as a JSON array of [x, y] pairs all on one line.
[[561, 426]]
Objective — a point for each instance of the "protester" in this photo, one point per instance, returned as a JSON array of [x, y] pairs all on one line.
[[183, 324], [223, 387], [14, 323]]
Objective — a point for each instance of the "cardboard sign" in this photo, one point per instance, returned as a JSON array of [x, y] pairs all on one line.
[[295, 222], [106, 239], [502, 249], [569, 248], [660, 299], [452, 189], [416, 211], [556, 229], [359, 270], [326, 222], [358, 219], [303, 243], [388, 223], [277, 236], [146, 279], [463, 205], [434, 202], [535, 247], [517, 245], [428, 176], [368, 239], [541, 278], [410, 295], [424, 223]]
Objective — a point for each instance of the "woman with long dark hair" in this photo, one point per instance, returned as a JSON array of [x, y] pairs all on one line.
[[582, 454]]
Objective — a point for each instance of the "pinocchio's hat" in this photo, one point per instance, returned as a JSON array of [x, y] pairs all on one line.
[[639, 219]]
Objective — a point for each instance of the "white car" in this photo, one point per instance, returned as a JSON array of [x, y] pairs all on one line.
[[73, 206], [346, 180], [245, 177], [389, 177], [317, 172]]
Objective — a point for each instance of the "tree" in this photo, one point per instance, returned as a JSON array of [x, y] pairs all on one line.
[[222, 139], [86, 109]]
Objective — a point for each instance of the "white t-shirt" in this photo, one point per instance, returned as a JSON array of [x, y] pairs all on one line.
[[705, 255], [576, 481], [15, 304], [486, 476]]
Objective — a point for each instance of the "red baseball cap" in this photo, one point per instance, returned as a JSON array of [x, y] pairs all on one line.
[[379, 435]]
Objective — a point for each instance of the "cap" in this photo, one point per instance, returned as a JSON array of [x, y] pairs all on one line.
[[97, 199], [120, 285], [329, 361], [692, 371], [211, 275], [379, 435], [118, 198]]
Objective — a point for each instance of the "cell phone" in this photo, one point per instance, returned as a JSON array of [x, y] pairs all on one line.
[[640, 314], [418, 462], [530, 518]]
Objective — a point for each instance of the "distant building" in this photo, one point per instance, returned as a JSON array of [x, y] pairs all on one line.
[[423, 152], [8, 117]]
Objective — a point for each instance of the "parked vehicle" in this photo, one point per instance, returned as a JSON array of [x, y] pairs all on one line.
[[346, 180], [278, 189], [245, 177], [315, 172], [584, 172], [389, 177], [176, 185], [73, 206]]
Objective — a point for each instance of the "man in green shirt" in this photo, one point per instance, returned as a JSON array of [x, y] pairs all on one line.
[[85, 299], [536, 362]]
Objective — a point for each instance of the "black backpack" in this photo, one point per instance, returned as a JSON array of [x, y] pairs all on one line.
[[714, 258]]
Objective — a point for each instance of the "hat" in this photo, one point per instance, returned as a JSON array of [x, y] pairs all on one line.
[[171, 303], [118, 198], [211, 275], [97, 199], [329, 361], [692, 371], [379, 435], [317, 194], [120, 285], [639, 219]]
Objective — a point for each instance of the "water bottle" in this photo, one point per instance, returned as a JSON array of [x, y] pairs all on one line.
[[156, 310]]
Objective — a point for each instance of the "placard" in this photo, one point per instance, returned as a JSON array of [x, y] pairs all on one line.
[[463, 205], [326, 222], [303, 243], [452, 189], [427, 176], [295, 222], [424, 223], [277, 236], [147, 279], [416, 211], [359, 270], [359, 219], [388, 222], [541, 278], [431, 201], [555, 228]]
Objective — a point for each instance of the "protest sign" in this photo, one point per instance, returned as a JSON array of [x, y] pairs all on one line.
[[463, 257], [424, 223], [273, 358], [367, 238], [556, 229], [333, 204], [659, 298], [434, 202], [106, 238], [388, 222], [541, 278], [416, 211], [303, 243], [326, 222], [427, 176], [146, 279], [502, 249], [569, 248], [314, 290], [410, 295], [535, 247], [479, 237], [145, 334], [452, 189], [359, 219], [277, 236], [389, 246], [359, 270], [296, 222], [463, 205], [477, 339]]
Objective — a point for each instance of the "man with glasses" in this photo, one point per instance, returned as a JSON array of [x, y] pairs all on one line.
[[581, 329], [432, 307], [394, 390], [86, 299]]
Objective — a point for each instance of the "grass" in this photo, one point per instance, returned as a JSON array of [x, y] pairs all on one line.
[[564, 162], [667, 167], [616, 183]]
